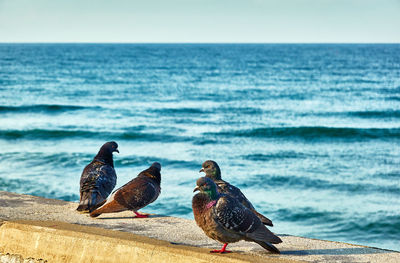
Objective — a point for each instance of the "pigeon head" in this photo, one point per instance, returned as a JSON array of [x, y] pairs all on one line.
[[106, 151], [110, 147], [153, 172], [211, 169], [157, 166], [207, 186]]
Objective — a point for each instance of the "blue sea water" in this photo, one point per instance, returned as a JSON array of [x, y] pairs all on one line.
[[310, 133]]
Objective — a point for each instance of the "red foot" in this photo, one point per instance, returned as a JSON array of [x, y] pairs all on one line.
[[139, 215], [222, 250]]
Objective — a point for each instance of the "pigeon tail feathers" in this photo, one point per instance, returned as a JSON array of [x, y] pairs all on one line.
[[84, 202], [263, 219], [90, 201], [268, 247], [108, 207]]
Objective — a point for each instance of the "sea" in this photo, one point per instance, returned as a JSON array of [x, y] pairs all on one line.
[[309, 132]]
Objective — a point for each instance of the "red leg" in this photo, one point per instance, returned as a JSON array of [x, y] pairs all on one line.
[[222, 250], [139, 215]]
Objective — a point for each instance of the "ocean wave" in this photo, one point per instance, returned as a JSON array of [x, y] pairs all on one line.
[[164, 207], [392, 90], [307, 215], [256, 111], [213, 110], [305, 133], [293, 182], [44, 160], [44, 134], [391, 175], [149, 137], [384, 114], [77, 161], [364, 81], [48, 134], [170, 163], [128, 135], [374, 226], [376, 114], [205, 141], [314, 133], [180, 111], [339, 225], [32, 187], [277, 155], [42, 108]]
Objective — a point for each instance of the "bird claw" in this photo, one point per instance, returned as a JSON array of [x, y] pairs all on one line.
[[222, 250], [141, 215]]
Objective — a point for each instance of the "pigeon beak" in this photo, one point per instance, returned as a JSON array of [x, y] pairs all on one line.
[[201, 170], [196, 189]]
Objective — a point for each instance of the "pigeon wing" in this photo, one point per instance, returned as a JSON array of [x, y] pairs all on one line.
[[106, 181], [233, 216], [235, 192], [137, 193]]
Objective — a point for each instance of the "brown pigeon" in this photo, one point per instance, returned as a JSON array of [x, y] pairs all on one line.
[[224, 219], [212, 171], [136, 194], [98, 179]]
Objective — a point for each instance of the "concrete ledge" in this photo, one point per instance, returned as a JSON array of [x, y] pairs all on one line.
[[36, 229], [62, 242]]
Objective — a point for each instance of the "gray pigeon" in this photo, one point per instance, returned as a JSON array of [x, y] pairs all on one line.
[[136, 194], [98, 179], [224, 219], [212, 171]]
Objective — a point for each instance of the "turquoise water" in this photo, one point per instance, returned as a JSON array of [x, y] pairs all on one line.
[[310, 133]]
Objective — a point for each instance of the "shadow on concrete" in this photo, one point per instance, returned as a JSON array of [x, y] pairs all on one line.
[[338, 251], [131, 217]]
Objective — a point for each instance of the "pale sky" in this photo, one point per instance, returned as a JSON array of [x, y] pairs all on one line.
[[200, 21]]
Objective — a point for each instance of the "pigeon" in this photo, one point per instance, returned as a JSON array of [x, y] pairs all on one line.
[[211, 169], [136, 194], [225, 219], [98, 179]]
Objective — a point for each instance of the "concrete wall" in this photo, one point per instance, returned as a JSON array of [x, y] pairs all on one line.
[[62, 242], [36, 229]]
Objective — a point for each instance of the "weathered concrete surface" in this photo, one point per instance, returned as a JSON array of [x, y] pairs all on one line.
[[15, 258], [57, 232]]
